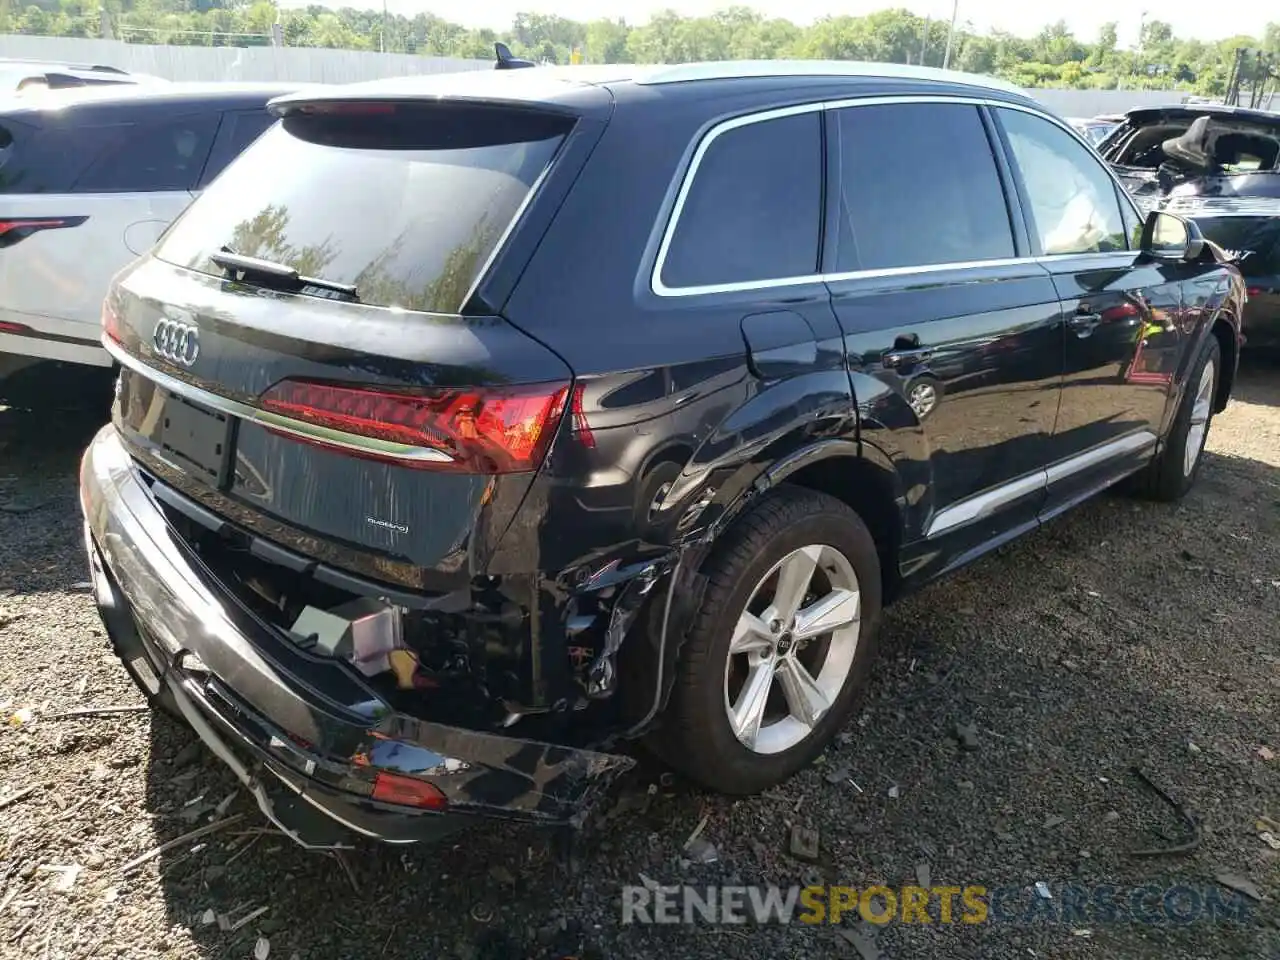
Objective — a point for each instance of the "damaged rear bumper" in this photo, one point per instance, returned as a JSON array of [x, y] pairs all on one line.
[[296, 727]]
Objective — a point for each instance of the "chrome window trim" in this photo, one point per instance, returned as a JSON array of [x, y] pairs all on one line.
[[989, 501], [660, 289], [402, 452]]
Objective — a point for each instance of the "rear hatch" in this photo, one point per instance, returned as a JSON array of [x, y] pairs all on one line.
[[305, 354]]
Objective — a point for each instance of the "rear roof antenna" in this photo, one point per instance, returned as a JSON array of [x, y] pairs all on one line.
[[507, 61]]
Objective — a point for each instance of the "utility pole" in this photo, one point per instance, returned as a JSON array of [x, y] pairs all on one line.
[[951, 34], [382, 44]]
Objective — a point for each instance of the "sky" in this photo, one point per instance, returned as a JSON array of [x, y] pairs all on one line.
[[1190, 18]]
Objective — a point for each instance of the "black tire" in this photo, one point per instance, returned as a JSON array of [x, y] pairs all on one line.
[[1166, 479], [695, 733]]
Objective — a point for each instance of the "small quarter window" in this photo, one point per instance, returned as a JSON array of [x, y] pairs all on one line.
[[753, 209]]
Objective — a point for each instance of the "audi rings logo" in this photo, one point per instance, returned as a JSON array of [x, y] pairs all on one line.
[[177, 342]]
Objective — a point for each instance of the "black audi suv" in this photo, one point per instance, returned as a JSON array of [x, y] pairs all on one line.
[[472, 426]]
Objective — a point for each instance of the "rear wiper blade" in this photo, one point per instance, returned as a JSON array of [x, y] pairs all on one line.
[[277, 275]]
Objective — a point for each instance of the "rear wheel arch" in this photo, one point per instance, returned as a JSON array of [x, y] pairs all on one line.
[[872, 489]]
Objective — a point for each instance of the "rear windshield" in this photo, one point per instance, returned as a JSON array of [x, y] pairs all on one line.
[[406, 202]]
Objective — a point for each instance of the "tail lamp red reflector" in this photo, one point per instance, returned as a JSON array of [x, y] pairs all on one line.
[[1254, 291], [7, 326], [482, 429], [111, 320], [407, 791]]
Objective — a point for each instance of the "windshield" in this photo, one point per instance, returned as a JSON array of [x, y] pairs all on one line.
[[406, 203]]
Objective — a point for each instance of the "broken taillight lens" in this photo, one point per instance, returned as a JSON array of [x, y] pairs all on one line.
[[407, 791], [483, 430]]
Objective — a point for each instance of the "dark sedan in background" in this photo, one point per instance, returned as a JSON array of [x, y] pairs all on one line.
[[1219, 166]]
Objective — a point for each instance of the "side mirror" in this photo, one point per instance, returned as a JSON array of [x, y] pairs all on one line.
[[1171, 238]]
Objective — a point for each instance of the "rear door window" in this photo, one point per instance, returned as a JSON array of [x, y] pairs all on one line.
[[238, 129], [753, 209], [919, 186], [405, 201], [153, 156]]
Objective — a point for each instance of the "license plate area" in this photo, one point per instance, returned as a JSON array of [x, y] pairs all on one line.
[[197, 439]]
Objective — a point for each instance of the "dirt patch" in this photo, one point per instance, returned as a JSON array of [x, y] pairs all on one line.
[[997, 748]]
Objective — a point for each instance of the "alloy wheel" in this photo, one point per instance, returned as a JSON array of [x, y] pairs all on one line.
[[792, 648], [1201, 409]]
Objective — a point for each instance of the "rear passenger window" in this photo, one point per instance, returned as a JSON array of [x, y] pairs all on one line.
[[1072, 197], [239, 128], [152, 157], [919, 187], [753, 209]]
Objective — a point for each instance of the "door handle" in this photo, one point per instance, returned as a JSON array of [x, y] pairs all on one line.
[[1084, 323], [894, 359]]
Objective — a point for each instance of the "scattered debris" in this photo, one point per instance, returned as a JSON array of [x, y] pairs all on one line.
[[22, 715], [1053, 820], [1270, 839], [804, 843], [1192, 749], [111, 895], [67, 876], [1086, 932], [346, 868], [262, 949], [697, 831], [1192, 823], [838, 774], [1111, 816], [1267, 825], [82, 585], [20, 795], [178, 841], [1042, 890], [208, 918], [97, 712], [923, 876], [248, 918], [862, 942], [1239, 884], [967, 735], [1266, 753], [224, 803], [895, 792], [702, 851], [483, 913]]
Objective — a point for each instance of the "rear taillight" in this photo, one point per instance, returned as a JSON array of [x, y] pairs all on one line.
[[13, 229], [7, 326], [479, 429], [1254, 291], [407, 791]]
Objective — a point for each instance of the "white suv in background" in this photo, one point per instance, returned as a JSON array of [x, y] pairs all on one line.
[[88, 181]]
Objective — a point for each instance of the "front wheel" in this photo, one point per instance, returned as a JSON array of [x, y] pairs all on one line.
[[781, 647], [1171, 474]]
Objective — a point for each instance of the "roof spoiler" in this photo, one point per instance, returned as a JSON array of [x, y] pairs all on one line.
[[506, 60]]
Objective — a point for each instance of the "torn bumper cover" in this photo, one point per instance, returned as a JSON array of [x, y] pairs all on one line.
[[283, 718]]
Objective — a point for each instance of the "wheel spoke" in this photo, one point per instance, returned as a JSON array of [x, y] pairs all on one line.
[[793, 582], [750, 635], [837, 609], [748, 712], [805, 698]]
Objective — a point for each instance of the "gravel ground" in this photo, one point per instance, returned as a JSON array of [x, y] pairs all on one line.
[[1123, 635]]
